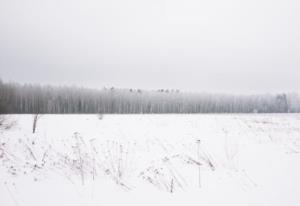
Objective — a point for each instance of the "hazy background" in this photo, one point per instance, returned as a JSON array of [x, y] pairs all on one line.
[[239, 46]]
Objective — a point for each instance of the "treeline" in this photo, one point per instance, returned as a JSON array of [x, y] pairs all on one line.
[[16, 98]]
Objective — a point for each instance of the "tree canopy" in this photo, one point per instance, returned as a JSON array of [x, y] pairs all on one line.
[[28, 98]]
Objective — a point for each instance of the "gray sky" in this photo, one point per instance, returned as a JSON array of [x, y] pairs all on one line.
[[240, 46]]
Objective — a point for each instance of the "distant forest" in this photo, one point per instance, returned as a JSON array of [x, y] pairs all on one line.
[[37, 99]]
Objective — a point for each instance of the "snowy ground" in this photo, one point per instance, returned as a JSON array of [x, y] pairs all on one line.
[[251, 159]]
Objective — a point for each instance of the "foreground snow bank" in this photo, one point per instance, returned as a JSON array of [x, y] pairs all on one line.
[[142, 159]]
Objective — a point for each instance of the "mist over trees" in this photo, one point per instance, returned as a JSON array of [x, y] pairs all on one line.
[[27, 98]]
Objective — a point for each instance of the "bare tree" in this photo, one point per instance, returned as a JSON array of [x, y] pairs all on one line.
[[35, 120], [36, 99], [282, 103]]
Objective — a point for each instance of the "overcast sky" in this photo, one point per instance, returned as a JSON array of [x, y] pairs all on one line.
[[239, 46]]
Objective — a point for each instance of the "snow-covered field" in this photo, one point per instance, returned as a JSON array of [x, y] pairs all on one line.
[[235, 159]]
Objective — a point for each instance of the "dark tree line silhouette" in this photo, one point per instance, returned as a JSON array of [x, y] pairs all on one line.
[[28, 98]]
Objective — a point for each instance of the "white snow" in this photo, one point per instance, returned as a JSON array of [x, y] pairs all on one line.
[[241, 159]]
